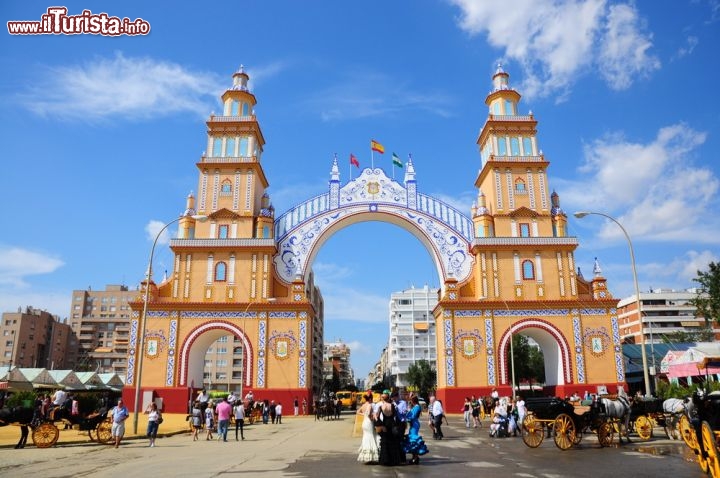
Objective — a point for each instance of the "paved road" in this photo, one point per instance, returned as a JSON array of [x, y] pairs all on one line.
[[306, 448]]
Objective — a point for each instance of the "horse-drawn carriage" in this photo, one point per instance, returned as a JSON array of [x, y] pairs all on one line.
[[45, 433], [703, 433], [566, 423]]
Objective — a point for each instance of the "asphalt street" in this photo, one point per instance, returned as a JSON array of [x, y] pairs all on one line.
[[303, 447]]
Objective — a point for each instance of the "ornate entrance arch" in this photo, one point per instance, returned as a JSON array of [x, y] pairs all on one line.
[[242, 271], [192, 353], [553, 343], [443, 230]]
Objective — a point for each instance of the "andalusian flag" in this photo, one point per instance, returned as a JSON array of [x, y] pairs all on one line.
[[375, 146], [396, 161]]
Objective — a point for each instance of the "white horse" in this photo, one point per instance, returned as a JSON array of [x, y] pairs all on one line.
[[677, 407], [618, 409]]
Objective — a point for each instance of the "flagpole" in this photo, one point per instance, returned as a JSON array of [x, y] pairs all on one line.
[[372, 158]]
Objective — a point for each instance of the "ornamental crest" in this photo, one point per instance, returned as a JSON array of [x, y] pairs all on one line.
[[468, 342], [155, 343], [282, 344], [596, 340], [373, 187]]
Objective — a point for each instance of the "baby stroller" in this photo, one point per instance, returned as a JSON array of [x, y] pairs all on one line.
[[499, 426]]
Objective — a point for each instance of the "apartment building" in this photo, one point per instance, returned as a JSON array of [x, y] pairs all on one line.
[[100, 321], [34, 338], [664, 311], [412, 331]]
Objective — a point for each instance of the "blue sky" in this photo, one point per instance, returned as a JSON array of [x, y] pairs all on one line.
[[101, 134]]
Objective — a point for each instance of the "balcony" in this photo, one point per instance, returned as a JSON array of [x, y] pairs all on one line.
[[228, 159]]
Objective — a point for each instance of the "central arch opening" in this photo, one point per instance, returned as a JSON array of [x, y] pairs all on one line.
[[357, 309]]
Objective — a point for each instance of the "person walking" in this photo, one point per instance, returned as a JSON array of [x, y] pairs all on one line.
[[209, 420], [273, 411], [154, 419], [223, 410], [413, 442], [304, 405], [467, 410], [296, 406], [119, 414], [475, 406], [369, 452], [204, 399], [239, 411], [278, 412], [438, 414], [196, 415]]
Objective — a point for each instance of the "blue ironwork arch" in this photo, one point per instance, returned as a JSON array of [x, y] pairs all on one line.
[[443, 230]]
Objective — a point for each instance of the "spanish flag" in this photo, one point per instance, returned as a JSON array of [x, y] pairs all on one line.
[[375, 146], [354, 161]]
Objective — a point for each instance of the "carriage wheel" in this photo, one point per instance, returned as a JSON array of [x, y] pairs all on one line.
[[45, 435], [104, 431], [606, 433], [564, 431], [711, 451], [532, 431], [643, 427], [686, 431]]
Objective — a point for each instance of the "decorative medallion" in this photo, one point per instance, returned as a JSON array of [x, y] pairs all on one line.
[[155, 343], [373, 187], [468, 342], [282, 344], [597, 340]]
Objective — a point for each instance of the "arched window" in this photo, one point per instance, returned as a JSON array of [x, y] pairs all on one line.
[[514, 146], [234, 108], [226, 188], [230, 147], [528, 270], [220, 272], [520, 186], [245, 109]]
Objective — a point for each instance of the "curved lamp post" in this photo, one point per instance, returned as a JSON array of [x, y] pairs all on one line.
[[141, 349], [646, 377]]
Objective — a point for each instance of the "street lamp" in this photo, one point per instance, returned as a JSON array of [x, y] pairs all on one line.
[[141, 349], [646, 377]]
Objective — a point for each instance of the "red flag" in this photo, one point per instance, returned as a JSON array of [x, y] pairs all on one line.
[[354, 161]]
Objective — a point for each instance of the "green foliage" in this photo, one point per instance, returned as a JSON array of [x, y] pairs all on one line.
[[18, 398], [529, 361], [422, 377], [667, 390], [708, 302], [681, 337]]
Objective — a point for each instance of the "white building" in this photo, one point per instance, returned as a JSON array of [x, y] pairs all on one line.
[[412, 331]]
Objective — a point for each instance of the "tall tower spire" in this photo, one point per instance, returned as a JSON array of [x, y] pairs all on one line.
[[232, 181]]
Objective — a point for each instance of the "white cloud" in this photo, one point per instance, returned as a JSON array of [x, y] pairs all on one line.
[[17, 263], [555, 41], [368, 94], [153, 228], [691, 43], [654, 189], [120, 87]]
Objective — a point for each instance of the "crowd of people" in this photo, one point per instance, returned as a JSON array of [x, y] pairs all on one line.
[[385, 423]]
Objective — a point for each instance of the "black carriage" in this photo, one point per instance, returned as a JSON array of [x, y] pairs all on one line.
[[45, 432], [703, 435], [553, 416], [645, 413]]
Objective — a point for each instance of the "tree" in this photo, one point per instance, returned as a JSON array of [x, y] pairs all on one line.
[[529, 361], [707, 302], [704, 335], [422, 376]]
